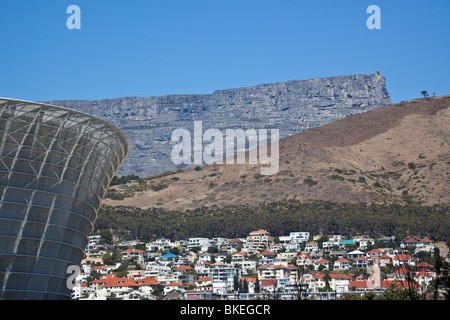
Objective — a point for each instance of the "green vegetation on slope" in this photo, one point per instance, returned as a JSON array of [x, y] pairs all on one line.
[[279, 218]]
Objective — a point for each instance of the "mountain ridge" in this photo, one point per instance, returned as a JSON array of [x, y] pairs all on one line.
[[291, 106]]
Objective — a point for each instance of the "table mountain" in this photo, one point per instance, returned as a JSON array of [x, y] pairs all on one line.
[[291, 106]]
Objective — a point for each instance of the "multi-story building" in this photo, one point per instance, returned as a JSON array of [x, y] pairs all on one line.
[[202, 243], [257, 241]]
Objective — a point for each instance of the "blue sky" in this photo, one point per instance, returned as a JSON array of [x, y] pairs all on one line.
[[150, 48]]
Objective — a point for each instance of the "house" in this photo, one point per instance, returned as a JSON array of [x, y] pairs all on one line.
[[251, 283], [385, 260], [295, 240], [266, 271], [174, 295], [355, 254], [173, 286], [285, 257], [322, 262], [182, 269], [361, 262], [268, 286], [338, 254], [204, 256], [345, 243], [276, 246], [135, 274], [164, 245], [168, 257], [329, 245], [423, 277], [204, 282], [282, 273], [311, 246], [100, 269], [373, 253], [319, 281], [232, 245], [147, 285], [304, 260], [341, 264], [363, 243], [258, 240], [119, 288], [415, 241], [402, 259], [340, 282], [267, 257], [238, 257], [401, 274], [201, 294], [202, 243], [241, 259], [133, 253], [224, 274], [81, 289]]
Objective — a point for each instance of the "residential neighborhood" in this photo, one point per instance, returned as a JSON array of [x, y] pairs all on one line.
[[260, 266]]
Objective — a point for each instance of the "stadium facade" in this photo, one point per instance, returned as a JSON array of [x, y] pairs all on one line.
[[55, 167]]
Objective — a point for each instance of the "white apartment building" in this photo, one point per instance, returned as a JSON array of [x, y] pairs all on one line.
[[160, 244], [203, 243]]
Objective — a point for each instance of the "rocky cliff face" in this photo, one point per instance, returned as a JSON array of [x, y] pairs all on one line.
[[290, 107]]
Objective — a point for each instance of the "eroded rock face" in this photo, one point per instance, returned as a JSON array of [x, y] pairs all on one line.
[[291, 107]]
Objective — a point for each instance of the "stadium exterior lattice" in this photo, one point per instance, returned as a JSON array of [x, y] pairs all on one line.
[[55, 167]]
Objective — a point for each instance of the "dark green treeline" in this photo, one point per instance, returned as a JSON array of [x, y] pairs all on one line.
[[279, 218]]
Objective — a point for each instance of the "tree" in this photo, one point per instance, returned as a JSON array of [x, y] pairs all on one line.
[[257, 286], [106, 236], [110, 259], [236, 283], [245, 286], [425, 93]]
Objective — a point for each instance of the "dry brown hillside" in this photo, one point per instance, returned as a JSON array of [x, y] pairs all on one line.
[[399, 153]]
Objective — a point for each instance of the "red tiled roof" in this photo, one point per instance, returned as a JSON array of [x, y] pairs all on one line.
[[402, 270], [174, 284], [204, 279], [260, 231], [110, 279], [249, 279], [385, 284], [402, 257], [183, 268], [322, 261], [268, 282], [133, 250], [342, 260], [267, 253], [424, 264], [98, 268], [360, 259], [128, 283], [149, 281]]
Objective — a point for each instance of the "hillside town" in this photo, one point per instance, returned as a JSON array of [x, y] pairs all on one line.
[[260, 266]]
